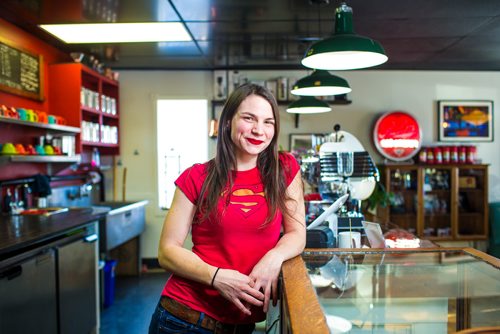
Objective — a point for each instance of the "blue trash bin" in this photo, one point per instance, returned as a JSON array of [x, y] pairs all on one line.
[[109, 282]]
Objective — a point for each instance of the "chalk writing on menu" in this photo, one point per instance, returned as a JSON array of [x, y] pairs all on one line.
[[19, 72]]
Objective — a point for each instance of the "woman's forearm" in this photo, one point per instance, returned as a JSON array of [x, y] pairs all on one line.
[[185, 263], [290, 244]]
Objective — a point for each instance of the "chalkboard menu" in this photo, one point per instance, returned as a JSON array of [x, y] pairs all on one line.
[[20, 72]]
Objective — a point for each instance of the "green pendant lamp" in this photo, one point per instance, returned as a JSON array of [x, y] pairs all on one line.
[[321, 83], [308, 105], [344, 50]]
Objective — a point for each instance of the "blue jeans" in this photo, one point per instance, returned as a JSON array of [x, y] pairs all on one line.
[[163, 321]]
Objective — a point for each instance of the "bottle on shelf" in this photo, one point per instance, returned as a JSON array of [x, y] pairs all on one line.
[[96, 158]]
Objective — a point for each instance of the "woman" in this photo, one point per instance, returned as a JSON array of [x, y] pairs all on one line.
[[235, 206]]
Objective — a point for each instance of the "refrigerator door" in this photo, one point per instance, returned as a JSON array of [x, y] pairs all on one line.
[[78, 300], [28, 301]]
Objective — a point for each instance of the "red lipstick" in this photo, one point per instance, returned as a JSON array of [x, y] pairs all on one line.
[[254, 141]]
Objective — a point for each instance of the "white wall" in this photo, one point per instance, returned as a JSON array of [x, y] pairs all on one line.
[[374, 92]]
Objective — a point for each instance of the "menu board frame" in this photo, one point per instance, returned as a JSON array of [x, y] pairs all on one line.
[[16, 86]]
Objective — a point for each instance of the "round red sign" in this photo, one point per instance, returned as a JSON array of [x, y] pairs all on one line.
[[397, 135]]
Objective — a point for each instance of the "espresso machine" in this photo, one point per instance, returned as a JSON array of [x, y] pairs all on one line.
[[339, 166]]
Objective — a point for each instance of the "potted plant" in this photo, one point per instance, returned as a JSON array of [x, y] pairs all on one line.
[[380, 198]]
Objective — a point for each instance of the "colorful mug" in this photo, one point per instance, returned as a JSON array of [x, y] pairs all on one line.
[[9, 148], [39, 150], [23, 114], [32, 115], [49, 150], [42, 117], [20, 149], [30, 150]]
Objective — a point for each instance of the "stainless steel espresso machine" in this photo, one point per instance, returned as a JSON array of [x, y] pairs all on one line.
[[338, 165]]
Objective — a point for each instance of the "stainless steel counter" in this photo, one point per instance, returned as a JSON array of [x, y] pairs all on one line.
[[21, 232], [124, 221]]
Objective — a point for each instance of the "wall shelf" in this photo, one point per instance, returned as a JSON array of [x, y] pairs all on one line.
[[69, 83], [51, 128], [39, 159]]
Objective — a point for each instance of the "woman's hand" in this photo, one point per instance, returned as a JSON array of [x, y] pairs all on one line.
[[239, 289], [266, 273]]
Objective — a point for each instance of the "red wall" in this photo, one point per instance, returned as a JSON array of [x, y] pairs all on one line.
[[23, 40]]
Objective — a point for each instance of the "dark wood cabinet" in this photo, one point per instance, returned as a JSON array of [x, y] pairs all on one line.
[[439, 202]]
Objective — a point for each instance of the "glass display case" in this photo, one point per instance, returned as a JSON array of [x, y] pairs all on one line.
[[435, 290]]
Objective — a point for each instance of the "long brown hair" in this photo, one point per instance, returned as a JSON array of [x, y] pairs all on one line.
[[219, 177]]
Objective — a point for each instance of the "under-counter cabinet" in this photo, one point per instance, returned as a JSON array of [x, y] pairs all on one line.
[[77, 284], [438, 202], [88, 100], [52, 289], [29, 298]]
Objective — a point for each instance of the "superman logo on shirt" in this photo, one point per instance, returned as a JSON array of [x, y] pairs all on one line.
[[248, 199]]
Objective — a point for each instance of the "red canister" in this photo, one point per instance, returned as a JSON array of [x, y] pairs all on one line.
[[471, 154], [462, 154], [454, 154], [422, 155], [438, 155], [446, 154], [430, 155]]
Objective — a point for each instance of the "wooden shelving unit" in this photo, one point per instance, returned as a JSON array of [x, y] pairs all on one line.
[[433, 201]]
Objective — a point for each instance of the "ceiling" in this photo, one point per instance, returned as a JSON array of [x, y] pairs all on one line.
[[274, 34]]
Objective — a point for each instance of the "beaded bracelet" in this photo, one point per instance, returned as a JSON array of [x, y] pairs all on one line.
[[213, 278]]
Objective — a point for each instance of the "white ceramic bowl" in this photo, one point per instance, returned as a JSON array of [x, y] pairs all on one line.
[[338, 324], [319, 281]]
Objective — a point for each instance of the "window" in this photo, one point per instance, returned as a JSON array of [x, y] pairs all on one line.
[[182, 134]]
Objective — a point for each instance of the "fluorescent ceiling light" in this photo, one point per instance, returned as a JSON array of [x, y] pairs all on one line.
[[119, 32]]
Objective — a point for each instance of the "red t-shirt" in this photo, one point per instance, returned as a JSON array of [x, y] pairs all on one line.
[[236, 242]]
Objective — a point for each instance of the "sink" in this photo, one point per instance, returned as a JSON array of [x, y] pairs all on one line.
[[124, 221], [44, 211], [120, 207]]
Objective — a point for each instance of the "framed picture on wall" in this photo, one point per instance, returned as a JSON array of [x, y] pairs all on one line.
[[465, 120]]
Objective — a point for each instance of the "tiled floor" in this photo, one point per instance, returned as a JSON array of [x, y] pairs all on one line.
[[134, 303], [135, 300]]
